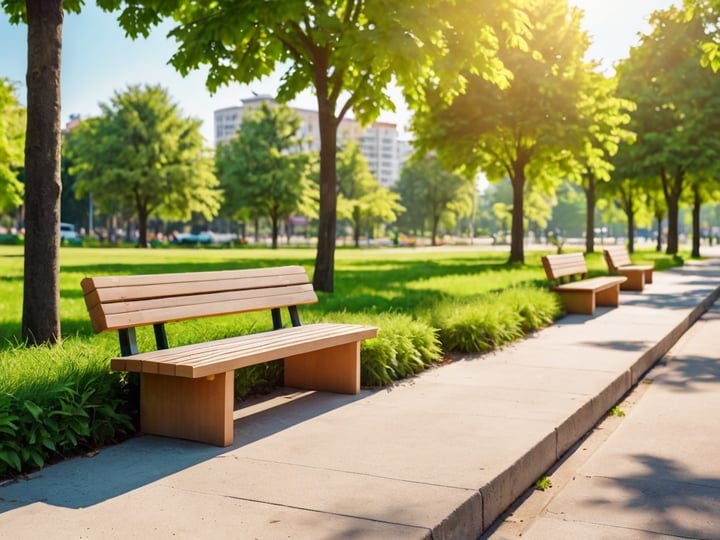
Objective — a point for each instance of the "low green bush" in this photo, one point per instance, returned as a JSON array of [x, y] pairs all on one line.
[[492, 320], [11, 240], [258, 379], [52, 408]]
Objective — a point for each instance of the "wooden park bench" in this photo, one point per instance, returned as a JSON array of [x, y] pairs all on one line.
[[568, 273], [188, 391], [618, 262]]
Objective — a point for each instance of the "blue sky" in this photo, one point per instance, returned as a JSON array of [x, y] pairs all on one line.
[[98, 60]]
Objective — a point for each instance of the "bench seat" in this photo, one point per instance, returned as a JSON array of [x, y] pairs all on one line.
[[213, 357], [582, 294]]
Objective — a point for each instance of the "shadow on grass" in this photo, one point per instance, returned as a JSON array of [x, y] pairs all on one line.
[[355, 284]]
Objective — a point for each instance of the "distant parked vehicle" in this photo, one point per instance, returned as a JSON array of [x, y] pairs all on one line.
[[67, 231], [204, 238]]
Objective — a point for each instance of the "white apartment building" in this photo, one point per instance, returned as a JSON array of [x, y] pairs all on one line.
[[378, 143]]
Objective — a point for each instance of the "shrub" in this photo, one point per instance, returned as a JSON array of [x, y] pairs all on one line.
[[492, 320], [258, 379], [537, 307], [52, 407], [11, 240]]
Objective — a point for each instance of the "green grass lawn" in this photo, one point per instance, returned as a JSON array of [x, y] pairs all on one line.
[[58, 401], [375, 281]]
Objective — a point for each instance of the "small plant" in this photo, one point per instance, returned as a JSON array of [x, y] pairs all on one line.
[[543, 483], [616, 411]]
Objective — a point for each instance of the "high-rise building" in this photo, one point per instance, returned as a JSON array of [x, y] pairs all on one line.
[[378, 143]]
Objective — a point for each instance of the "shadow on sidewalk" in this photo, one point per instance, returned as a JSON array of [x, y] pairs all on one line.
[[667, 495], [119, 469]]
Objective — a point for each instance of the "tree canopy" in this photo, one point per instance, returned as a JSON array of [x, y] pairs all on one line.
[[602, 128], [347, 51], [431, 193], [522, 131], [12, 144], [677, 120], [362, 201], [262, 168], [142, 153]]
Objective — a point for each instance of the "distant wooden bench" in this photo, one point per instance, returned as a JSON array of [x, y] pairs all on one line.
[[580, 295], [187, 391], [618, 262]]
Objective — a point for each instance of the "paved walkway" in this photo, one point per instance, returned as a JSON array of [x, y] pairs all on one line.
[[439, 456], [652, 473]]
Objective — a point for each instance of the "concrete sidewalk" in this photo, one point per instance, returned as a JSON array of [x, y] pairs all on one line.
[[653, 472], [438, 456]]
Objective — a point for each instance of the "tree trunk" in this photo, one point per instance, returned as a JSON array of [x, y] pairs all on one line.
[[672, 188], [433, 239], [142, 241], [274, 223], [631, 228], [658, 247], [323, 278], [356, 226], [590, 214], [672, 236], [697, 203], [517, 248], [43, 186]]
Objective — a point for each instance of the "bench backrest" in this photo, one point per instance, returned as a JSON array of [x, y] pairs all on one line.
[[616, 256], [121, 302], [565, 265]]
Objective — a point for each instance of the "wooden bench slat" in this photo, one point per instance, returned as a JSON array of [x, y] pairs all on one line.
[[190, 277], [213, 357], [121, 291], [209, 298], [182, 313], [126, 314], [591, 284], [169, 290]]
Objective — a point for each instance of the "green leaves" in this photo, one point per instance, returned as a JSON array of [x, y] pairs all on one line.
[[261, 169], [12, 145], [142, 156], [60, 420]]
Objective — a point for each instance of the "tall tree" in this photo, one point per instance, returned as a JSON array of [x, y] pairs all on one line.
[[678, 107], [522, 131], [263, 168], [12, 143], [143, 153], [601, 130], [347, 51], [434, 192], [41, 290], [703, 188], [361, 199]]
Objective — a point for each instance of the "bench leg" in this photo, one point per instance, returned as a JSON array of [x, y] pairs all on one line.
[[196, 409], [635, 280], [648, 276], [335, 369], [608, 297], [578, 301]]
